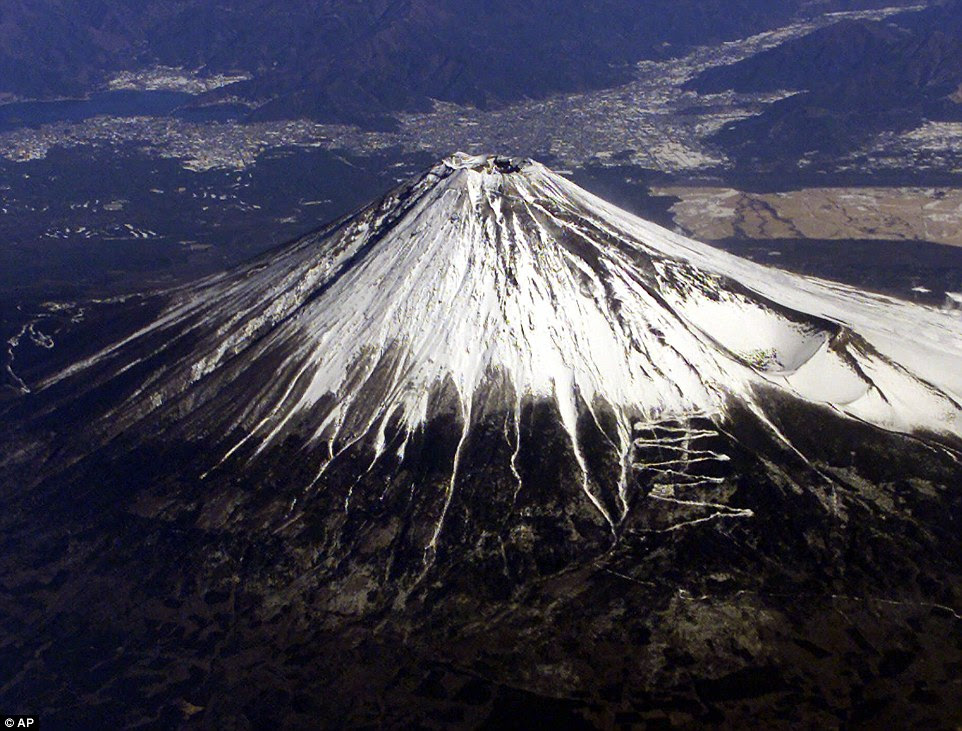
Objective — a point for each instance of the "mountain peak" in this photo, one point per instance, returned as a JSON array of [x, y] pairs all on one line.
[[498, 164], [488, 283], [487, 341], [488, 399]]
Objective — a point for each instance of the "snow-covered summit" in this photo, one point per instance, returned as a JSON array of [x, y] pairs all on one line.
[[491, 164], [489, 281]]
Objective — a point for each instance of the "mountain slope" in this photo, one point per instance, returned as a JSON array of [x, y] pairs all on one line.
[[488, 427], [486, 266]]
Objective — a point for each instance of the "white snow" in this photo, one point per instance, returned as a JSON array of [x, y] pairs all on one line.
[[481, 274]]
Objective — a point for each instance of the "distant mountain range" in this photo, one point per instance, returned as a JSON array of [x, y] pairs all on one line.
[[333, 59], [855, 79]]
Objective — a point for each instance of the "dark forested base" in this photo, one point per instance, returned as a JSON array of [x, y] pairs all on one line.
[[136, 594]]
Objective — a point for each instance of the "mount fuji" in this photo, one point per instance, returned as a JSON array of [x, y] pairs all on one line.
[[489, 447]]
